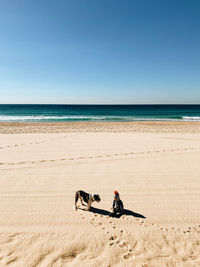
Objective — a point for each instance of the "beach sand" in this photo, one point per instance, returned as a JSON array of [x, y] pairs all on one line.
[[155, 166]]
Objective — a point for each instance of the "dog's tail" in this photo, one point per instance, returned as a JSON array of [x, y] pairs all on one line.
[[76, 199]]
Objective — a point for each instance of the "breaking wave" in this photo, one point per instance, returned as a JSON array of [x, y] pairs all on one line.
[[187, 118], [43, 118]]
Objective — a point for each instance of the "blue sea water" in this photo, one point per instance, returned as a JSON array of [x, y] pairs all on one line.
[[53, 113]]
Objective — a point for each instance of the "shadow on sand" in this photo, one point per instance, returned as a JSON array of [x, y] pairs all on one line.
[[107, 213]]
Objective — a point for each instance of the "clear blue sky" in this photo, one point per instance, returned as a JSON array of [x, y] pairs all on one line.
[[100, 51]]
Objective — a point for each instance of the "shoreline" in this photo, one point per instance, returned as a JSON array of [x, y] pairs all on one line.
[[62, 127]]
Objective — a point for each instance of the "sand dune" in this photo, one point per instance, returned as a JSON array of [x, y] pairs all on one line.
[[156, 173]]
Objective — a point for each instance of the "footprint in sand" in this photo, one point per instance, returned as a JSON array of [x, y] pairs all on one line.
[[127, 256], [111, 238], [14, 235], [122, 244]]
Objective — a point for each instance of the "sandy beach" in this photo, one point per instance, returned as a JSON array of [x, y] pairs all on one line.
[[155, 166]]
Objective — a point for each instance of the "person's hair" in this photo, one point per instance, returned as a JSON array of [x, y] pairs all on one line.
[[117, 197]]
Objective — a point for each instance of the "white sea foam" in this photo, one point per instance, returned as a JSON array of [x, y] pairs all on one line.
[[42, 118], [34, 118], [92, 118], [187, 118]]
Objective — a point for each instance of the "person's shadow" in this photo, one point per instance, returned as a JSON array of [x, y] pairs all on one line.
[[107, 213]]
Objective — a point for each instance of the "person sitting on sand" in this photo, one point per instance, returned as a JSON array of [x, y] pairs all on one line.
[[118, 206]]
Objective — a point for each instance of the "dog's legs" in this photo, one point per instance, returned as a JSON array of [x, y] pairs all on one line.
[[81, 200], [76, 199], [89, 204]]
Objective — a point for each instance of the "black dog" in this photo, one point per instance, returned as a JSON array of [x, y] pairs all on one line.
[[87, 198]]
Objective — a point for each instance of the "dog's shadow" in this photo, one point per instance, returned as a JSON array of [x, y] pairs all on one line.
[[107, 213]]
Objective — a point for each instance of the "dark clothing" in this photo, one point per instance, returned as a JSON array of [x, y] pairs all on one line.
[[117, 206]]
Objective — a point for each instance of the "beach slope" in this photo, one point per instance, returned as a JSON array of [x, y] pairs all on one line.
[[155, 168]]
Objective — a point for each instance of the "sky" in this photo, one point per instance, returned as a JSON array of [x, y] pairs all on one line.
[[100, 51]]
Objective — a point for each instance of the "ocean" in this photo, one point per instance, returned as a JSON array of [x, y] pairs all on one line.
[[54, 113]]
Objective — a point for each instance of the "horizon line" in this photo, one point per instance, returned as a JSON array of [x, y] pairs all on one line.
[[100, 104]]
